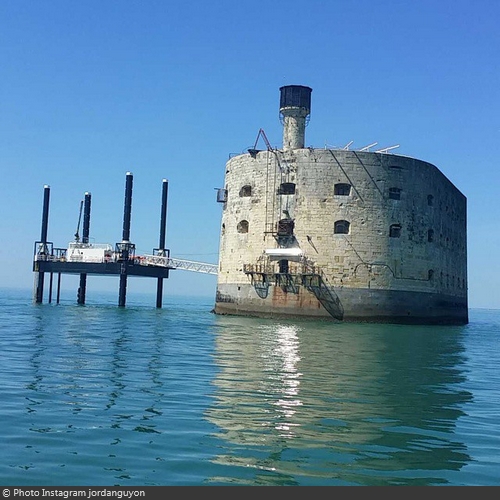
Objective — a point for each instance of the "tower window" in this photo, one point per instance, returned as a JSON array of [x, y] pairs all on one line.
[[430, 200], [242, 226], [395, 231], [342, 189], [246, 191], [341, 227], [287, 188], [430, 274], [430, 235], [394, 193]]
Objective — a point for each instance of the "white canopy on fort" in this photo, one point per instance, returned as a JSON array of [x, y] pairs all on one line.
[[295, 254]]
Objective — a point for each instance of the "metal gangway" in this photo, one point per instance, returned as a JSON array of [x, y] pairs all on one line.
[[186, 265]]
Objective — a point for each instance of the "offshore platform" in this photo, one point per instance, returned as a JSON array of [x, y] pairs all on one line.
[[85, 258]]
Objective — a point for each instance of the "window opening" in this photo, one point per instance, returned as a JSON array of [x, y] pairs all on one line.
[[341, 227], [287, 188], [395, 193], [395, 231], [283, 266], [246, 191], [242, 226], [342, 189]]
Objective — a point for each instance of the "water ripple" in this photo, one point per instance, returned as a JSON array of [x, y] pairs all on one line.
[[100, 395]]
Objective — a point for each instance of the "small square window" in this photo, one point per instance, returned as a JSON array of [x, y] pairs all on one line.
[[394, 193], [287, 188], [395, 231], [246, 191], [342, 189]]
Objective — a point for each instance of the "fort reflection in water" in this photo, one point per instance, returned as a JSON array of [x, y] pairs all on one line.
[[355, 396]]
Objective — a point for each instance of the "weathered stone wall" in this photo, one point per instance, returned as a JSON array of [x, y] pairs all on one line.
[[429, 256]]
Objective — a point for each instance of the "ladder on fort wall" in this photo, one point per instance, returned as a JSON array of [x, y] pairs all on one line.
[[325, 293]]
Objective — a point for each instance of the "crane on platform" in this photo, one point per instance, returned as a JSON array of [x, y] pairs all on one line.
[[77, 234]]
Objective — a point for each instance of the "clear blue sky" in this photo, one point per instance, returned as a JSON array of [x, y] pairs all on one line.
[[92, 89]]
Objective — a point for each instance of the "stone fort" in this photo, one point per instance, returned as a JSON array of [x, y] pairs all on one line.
[[339, 234]]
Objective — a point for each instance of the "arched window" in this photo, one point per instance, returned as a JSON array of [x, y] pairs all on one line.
[[430, 235], [430, 200], [287, 188], [342, 189], [430, 274], [395, 231], [395, 193], [246, 191], [341, 227], [242, 226]]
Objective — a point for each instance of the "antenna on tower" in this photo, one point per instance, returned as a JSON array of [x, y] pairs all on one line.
[[385, 150], [367, 148]]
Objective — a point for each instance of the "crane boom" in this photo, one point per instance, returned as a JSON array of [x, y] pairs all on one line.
[[77, 234], [266, 140], [253, 152]]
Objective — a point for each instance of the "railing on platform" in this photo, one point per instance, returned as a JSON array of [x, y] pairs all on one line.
[[46, 252]]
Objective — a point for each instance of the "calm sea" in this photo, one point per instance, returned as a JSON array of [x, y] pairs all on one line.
[[98, 395]]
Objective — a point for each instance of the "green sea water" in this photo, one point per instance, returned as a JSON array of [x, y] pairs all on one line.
[[138, 396]]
